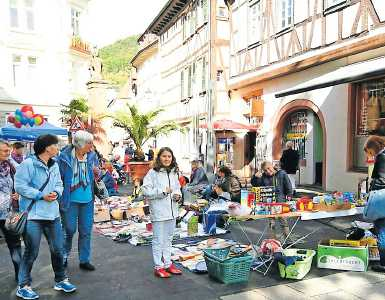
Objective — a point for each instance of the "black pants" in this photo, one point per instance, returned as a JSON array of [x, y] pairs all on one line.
[[14, 246]]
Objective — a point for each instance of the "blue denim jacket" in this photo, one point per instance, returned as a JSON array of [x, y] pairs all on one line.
[[65, 162], [30, 176]]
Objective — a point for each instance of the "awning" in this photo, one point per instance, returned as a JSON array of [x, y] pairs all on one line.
[[352, 73], [10, 132], [221, 125]]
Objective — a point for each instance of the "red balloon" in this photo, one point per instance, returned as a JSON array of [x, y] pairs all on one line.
[[18, 124], [11, 119], [26, 108]]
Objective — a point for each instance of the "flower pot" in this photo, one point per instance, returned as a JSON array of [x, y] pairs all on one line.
[[139, 169]]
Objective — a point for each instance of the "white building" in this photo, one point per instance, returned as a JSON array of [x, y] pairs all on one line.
[[318, 66], [43, 60]]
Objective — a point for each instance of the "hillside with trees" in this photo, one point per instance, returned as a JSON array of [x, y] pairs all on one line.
[[116, 59]]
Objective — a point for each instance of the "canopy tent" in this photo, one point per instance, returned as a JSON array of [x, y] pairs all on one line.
[[10, 132], [222, 125]]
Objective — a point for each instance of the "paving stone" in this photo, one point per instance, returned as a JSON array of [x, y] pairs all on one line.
[[348, 279], [281, 292], [340, 295], [315, 287], [251, 295], [374, 291]]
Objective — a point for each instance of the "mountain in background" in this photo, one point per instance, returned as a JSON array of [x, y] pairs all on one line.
[[116, 59]]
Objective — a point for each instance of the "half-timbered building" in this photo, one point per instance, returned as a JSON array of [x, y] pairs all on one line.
[[192, 60], [317, 70]]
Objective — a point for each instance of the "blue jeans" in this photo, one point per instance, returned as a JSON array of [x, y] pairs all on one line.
[[82, 215], [379, 225], [52, 231], [163, 232]]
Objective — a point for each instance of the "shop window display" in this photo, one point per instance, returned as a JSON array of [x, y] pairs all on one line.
[[369, 116]]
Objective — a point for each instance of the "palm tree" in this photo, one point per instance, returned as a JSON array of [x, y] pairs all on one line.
[[140, 126], [78, 107]]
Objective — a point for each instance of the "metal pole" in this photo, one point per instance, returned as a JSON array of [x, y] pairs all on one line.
[[210, 97]]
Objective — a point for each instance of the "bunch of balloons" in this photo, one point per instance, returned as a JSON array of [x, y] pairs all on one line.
[[25, 116]]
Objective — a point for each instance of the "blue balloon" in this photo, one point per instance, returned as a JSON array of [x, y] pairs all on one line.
[[18, 112], [24, 120], [31, 122]]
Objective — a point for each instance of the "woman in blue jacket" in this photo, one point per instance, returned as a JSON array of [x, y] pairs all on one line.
[[77, 164], [37, 180]]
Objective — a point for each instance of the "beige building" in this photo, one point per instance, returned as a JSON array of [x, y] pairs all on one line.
[[318, 68], [185, 72]]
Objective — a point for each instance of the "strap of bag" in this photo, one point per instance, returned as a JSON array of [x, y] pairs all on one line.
[[40, 189]]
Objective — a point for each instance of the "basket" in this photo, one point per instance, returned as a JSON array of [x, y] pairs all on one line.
[[232, 270], [300, 268], [219, 254]]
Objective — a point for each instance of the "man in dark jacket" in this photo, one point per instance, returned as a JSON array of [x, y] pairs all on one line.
[[289, 162], [270, 176], [231, 183]]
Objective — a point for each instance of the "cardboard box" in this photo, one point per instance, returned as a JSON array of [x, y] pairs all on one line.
[[102, 215], [342, 258], [331, 207]]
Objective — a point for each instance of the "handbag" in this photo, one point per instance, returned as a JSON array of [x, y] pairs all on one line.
[[100, 190], [375, 207], [15, 221]]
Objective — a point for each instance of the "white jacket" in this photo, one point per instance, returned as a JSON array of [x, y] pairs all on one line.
[[162, 207]]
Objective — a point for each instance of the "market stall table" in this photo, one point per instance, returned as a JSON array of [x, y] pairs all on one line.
[[265, 264]]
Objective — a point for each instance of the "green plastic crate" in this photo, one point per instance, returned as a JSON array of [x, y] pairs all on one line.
[[218, 254], [300, 268], [232, 270]]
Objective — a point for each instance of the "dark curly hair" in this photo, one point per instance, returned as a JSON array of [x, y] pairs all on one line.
[[158, 165], [225, 170]]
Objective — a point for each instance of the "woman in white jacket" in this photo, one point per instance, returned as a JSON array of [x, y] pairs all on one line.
[[161, 187]]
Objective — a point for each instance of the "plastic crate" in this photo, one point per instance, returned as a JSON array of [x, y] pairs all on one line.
[[218, 253], [300, 268], [232, 270]]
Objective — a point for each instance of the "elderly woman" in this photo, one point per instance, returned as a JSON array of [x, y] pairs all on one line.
[[77, 165], [39, 185], [8, 198]]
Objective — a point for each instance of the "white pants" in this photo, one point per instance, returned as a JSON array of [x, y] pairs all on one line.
[[163, 232], [292, 180]]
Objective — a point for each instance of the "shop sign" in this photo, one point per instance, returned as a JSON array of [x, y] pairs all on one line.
[[225, 140], [295, 136]]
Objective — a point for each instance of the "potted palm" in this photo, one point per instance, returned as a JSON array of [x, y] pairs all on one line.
[[141, 128]]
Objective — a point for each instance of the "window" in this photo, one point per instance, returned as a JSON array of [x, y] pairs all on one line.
[[16, 70], [222, 12], [75, 21], [182, 85], [22, 14], [205, 10], [255, 17], [368, 107], [30, 22], [189, 82], [14, 13], [204, 74], [285, 13], [330, 4], [31, 69]]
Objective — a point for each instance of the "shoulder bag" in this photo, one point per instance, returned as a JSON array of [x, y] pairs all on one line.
[[16, 221], [375, 207]]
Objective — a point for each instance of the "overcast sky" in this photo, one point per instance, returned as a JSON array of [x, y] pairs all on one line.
[[109, 20]]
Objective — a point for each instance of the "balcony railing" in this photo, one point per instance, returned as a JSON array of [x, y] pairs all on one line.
[[78, 45]]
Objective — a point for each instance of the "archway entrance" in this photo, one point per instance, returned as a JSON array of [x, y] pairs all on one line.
[[302, 123]]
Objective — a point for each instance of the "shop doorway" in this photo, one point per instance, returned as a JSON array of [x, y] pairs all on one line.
[[303, 128]]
